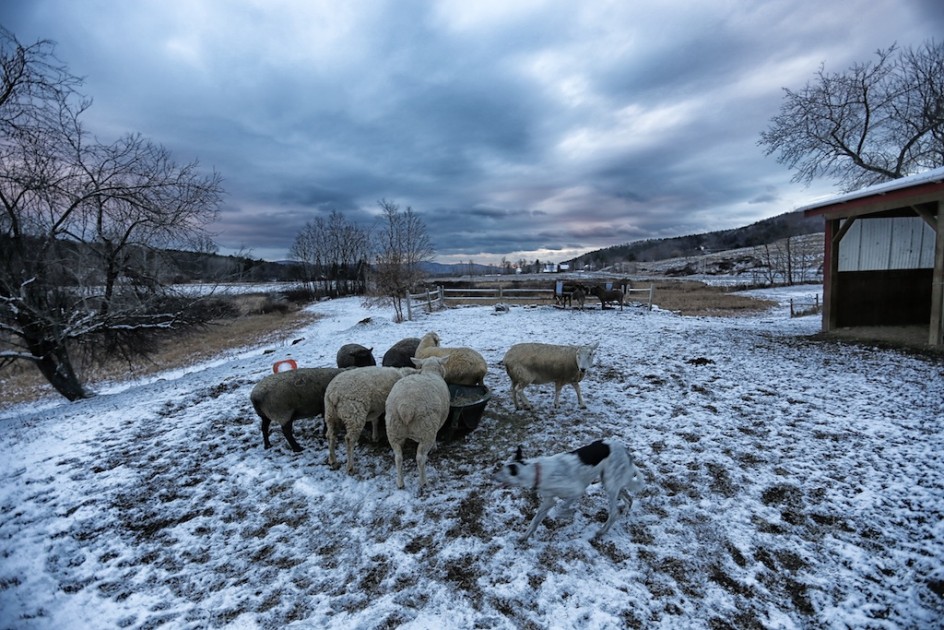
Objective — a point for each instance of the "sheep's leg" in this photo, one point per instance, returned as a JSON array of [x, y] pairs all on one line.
[[398, 459], [544, 508], [349, 439], [374, 430], [557, 390], [266, 422], [287, 431], [422, 454], [576, 385], [525, 403], [332, 443]]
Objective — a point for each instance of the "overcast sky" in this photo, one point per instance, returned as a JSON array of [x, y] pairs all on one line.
[[514, 128]]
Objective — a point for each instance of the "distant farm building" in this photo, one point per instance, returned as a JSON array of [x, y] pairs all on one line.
[[883, 262]]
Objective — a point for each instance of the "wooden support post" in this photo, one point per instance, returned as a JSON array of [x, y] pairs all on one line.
[[936, 328], [409, 308], [833, 237]]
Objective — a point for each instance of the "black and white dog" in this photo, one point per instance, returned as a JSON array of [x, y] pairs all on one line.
[[566, 476]]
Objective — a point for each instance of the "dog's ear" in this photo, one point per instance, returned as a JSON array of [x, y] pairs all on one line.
[[519, 455]]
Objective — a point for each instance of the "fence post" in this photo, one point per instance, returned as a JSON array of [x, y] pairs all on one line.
[[409, 308], [652, 289], [442, 297]]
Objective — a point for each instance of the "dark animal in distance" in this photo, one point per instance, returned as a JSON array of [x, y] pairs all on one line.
[[607, 295]]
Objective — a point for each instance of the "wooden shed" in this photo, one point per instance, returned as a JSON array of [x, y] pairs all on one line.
[[883, 263]]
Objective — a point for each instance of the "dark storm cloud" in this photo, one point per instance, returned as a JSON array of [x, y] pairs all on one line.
[[531, 129]]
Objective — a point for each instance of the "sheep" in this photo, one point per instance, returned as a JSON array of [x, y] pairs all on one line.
[[607, 295], [355, 355], [539, 363], [285, 396], [401, 353], [464, 367], [417, 407], [356, 398]]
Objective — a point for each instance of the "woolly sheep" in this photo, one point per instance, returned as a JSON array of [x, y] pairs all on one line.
[[355, 355], [464, 367], [401, 353], [354, 399], [286, 396], [539, 363], [417, 407]]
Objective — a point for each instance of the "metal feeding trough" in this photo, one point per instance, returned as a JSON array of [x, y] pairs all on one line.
[[466, 405]]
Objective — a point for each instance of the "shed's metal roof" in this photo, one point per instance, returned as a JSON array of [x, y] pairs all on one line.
[[935, 175]]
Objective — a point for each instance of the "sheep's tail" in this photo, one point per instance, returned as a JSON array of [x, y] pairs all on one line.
[[404, 418]]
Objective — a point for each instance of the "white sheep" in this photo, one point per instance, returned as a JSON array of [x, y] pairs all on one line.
[[285, 396], [417, 407], [539, 363], [355, 398], [464, 367]]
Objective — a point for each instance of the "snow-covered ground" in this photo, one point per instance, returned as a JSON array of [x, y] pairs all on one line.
[[792, 483]]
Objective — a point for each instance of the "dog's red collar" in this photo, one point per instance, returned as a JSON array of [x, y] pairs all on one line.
[[537, 475]]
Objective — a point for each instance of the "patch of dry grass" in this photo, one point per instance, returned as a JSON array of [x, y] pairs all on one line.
[[23, 383], [697, 298]]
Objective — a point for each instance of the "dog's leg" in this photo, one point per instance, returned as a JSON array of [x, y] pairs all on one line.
[[613, 512], [545, 507], [565, 509], [627, 499]]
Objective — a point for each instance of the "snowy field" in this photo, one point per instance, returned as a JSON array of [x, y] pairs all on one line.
[[791, 483]]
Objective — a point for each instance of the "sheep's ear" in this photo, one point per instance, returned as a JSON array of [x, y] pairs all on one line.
[[519, 454], [417, 362]]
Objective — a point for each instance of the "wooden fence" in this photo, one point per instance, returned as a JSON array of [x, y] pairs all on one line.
[[799, 308], [439, 297]]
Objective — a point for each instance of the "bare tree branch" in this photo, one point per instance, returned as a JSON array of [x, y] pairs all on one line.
[[877, 121]]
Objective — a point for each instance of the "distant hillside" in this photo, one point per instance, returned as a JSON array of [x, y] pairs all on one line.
[[760, 233]]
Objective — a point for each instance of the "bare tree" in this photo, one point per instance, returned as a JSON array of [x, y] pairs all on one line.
[[84, 226], [334, 251], [309, 249], [402, 244], [877, 121]]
